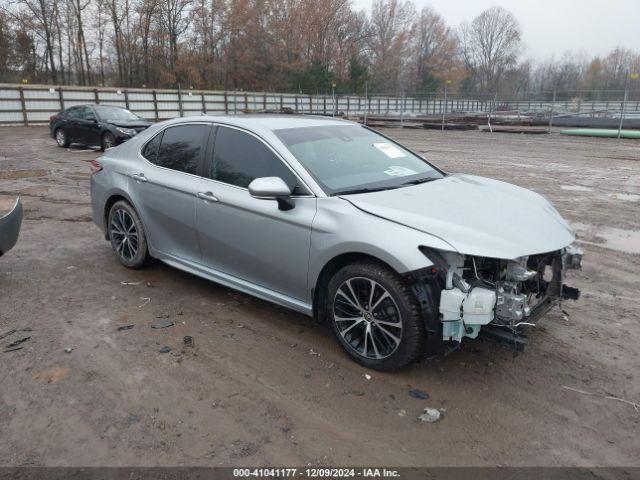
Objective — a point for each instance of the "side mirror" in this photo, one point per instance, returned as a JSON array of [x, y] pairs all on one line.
[[272, 188]]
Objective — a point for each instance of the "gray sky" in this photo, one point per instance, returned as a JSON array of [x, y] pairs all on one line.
[[551, 27]]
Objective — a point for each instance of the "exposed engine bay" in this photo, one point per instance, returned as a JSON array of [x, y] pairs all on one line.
[[501, 296]]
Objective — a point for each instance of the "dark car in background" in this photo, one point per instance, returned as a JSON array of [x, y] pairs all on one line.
[[95, 125]]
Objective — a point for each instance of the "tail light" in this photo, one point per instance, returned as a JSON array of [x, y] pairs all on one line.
[[53, 117], [95, 167]]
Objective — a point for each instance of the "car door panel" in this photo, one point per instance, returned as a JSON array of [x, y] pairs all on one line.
[[167, 203], [166, 196], [250, 238], [71, 123], [254, 240], [87, 128]]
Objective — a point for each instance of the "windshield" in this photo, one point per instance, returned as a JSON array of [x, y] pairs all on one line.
[[352, 159], [115, 114]]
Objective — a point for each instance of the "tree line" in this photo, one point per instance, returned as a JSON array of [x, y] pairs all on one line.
[[284, 45]]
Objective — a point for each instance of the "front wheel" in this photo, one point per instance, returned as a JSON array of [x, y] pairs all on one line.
[[375, 316], [108, 141], [127, 236], [61, 138]]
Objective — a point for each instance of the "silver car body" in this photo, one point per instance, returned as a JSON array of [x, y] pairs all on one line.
[[10, 227], [249, 244]]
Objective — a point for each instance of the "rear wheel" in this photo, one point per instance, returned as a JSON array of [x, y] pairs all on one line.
[[61, 138], [108, 141], [375, 316], [127, 236]]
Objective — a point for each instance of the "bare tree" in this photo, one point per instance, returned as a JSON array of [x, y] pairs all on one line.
[[175, 22], [390, 23], [5, 42], [82, 55], [434, 51], [40, 23], [294, 45], [490, 46]]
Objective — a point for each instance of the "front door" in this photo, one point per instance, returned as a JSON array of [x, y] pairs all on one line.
[[249, 238], [165, 189], [87, 128]]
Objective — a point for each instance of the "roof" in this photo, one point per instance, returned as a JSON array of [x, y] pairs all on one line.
[[267, 121]]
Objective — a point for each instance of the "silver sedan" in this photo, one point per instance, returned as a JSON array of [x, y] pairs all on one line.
[[337, 221]]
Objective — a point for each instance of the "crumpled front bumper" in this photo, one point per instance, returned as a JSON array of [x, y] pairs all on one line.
[[504, 305], [10, 228]]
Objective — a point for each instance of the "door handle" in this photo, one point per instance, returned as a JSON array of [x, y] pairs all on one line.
[[139, 177], [208, 196]]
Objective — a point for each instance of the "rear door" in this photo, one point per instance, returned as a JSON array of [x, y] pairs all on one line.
[[249, 238], [165, 188]]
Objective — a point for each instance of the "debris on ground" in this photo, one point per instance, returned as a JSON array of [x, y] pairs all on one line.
[[6, 334], [311, 352], [161, 323], [68, 350], [165, 349], [146, 300], [11, 347], [125, 327], [430, 415], [420, 394], [188, 341], [402, 413], [636, 406], [133, 419], [367, 376], [131, 283], [522, 130]]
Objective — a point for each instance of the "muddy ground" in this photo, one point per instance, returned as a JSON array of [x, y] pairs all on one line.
[[263, 385]]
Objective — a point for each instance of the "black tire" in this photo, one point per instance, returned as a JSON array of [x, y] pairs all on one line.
[[121, 222], [401, 300], [61, 138], [107, 141]]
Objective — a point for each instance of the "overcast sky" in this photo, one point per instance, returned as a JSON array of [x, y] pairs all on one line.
[[551, 27]]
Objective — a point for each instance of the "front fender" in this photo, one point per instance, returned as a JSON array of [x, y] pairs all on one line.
[[340, 228]]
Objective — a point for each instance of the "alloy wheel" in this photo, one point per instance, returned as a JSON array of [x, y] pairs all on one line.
[[60, 137], [368, 318], [107, 141], [124, 235]]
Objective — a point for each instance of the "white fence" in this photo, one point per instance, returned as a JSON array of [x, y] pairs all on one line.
[[33, 104]]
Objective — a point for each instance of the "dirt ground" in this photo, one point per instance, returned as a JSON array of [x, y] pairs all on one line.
[[263, 385]]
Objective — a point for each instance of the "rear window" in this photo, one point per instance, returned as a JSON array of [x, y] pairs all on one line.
[[150, 150], [181, 148]]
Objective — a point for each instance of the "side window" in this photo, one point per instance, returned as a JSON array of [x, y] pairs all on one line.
[[181, 147], [73, 113], [239, 158], [150, 150], [87, 114]]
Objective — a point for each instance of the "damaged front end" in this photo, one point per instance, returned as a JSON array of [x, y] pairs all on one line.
[[500, 297]]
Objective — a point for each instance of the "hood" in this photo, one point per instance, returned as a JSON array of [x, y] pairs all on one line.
[[475, 215]]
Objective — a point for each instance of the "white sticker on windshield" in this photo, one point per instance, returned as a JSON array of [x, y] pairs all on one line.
[[398, 171], [389, 150]]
